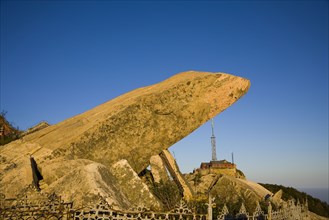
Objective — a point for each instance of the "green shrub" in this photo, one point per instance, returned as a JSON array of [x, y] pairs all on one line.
[[168, 193]]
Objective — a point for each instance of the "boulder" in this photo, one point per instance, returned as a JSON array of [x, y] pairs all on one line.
[[133, 187], [229, 190], [276, 199], [132, 127], [143, 122], [83, 181]]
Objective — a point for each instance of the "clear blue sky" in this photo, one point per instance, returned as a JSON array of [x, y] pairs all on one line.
[[61, 58]]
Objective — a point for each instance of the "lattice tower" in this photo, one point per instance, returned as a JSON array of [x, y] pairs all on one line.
[[213, 142]]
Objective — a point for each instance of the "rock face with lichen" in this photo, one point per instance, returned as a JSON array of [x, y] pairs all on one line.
[[132, 127], [229, 190], [132, 186], [158, 169]]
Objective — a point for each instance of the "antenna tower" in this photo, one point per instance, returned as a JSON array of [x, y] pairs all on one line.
[[213, 142]]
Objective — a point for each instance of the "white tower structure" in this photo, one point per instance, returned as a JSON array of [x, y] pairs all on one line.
[[213, 142]]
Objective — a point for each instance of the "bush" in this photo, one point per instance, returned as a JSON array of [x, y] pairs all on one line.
[[168, 193]]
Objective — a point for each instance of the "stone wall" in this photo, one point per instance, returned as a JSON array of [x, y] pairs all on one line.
[[225, 171]]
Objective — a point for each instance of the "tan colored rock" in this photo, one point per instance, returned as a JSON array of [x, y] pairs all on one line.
[[133, 187], [158, 169], [174, 171], [134, 127], [143, 122], [15, 170], [82, 181], [229, 189], [276, 199], [35, 128]]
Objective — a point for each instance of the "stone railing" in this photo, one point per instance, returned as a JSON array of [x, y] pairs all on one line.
[[35, 206], [103, 211], [290, 212], [51, 207]]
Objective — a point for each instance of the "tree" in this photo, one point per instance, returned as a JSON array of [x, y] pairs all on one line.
[[8, 132]]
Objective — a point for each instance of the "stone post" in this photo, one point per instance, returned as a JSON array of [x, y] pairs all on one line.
[[269, 211], [210, 204]]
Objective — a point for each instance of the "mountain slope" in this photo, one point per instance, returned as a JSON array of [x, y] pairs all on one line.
[[314, 205]]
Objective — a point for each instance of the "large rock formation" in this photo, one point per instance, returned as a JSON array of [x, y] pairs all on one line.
[[134, 127], [228, 189]]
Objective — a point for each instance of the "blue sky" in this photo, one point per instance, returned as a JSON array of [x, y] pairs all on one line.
[[61, 58]]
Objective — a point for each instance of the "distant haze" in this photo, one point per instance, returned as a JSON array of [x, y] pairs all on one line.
[[320, 193]]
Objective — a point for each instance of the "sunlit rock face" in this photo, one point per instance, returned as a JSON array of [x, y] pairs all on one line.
[[229, 190], [158, 169], [145, 121], [134, 127], [132, 186]]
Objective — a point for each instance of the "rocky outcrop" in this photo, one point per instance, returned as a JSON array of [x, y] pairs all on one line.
[[131, 185], [228, 189], [35, 128], [143, 122], [276, 199], [158, 169], [132, 127], [84, 181], [173, 169]]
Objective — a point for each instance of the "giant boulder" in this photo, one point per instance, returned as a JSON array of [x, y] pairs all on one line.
[[134, 127]]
